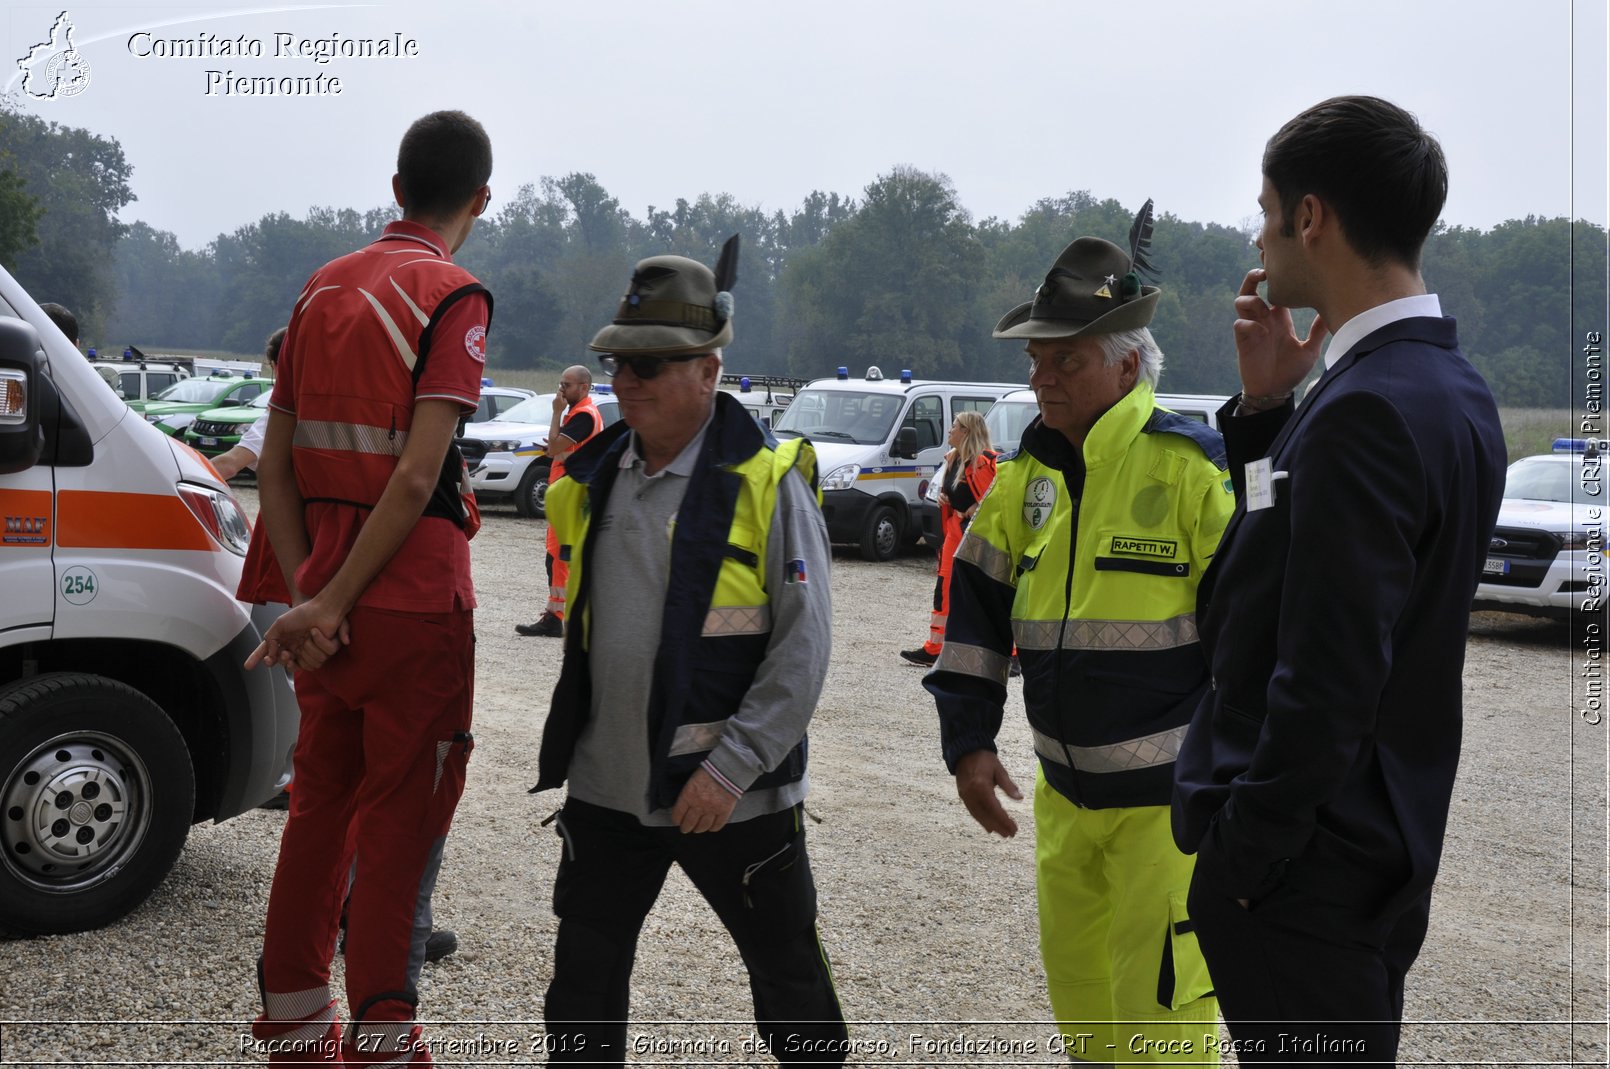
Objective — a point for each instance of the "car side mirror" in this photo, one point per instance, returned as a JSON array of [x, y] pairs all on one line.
[[22, 364], [905, 443]]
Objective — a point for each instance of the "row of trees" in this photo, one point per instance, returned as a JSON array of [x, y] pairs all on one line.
[[900, 277]]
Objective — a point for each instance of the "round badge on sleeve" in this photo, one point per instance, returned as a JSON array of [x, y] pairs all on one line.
[[1038, 498], [475, 343]]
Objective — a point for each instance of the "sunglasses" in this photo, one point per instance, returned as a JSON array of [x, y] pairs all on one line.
[[644, 367]]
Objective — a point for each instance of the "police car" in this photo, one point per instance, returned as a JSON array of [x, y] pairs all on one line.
[[1550, 530], [508, 455]]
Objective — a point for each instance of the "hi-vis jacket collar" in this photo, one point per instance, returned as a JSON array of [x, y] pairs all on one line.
[[1107, 441], [1115, 432], [732, 441]]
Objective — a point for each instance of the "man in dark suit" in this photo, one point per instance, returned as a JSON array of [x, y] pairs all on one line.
[[1315, 779]]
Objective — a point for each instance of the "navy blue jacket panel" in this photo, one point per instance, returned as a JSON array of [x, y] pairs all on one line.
[[1335, 622]]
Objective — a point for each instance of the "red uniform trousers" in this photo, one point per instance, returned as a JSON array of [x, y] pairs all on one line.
[[558, 576], [379, 764]]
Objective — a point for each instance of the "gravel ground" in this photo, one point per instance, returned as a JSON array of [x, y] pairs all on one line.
[[930, 924]]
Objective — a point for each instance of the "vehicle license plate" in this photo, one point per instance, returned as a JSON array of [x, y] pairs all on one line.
[[208, 442], [1496, 566]]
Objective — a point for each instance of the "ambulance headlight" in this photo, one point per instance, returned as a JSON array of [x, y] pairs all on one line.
[[220, 514], [503, 446], [842, 478]]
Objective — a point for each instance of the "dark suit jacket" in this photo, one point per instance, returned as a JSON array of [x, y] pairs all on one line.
[[1335, 624]]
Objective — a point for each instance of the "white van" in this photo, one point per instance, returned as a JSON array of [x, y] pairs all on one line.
[[878, 442], [125, 713], [765, 396]]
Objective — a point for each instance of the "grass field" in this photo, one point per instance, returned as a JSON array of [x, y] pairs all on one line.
[[543, 380], [1529, 431]]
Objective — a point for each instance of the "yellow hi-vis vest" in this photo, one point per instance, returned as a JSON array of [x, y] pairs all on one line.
[[717, 620], [1101, 581]]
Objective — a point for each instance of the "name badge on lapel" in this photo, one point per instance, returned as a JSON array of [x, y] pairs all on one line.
[[1261, 479]]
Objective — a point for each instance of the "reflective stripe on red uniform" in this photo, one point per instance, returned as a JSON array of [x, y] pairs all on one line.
[[352, 405], [389, 325], [559, 572]]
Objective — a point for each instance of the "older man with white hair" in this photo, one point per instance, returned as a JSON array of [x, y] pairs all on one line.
[[1085, 555]]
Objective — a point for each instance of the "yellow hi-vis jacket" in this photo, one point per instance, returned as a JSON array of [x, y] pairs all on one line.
[[716, 623], [1088, 562]]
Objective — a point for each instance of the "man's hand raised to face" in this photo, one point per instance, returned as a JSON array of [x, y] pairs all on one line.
[[1272, 358]]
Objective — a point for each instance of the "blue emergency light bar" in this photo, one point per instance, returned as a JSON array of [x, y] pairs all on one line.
[[905, 375], [844, 372], [1577, 445]]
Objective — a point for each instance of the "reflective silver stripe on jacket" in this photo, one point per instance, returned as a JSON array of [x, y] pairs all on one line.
[[986, 558], [351, 437], [306, 1039], [295, 1005], [973, 661], [697, 738], [1106, 634], [1146, 752], [738, 620]]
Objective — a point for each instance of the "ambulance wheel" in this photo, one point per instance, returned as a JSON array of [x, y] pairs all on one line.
[[881, 536], [96, 798], [531, 499]]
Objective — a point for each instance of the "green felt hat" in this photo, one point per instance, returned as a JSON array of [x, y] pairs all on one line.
[[1093, 288], [674, 305]]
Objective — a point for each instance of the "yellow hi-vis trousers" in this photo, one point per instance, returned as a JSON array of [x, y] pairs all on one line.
[[1126, 978]]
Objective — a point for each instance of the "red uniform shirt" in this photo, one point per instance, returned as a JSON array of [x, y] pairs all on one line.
[[347, 315]]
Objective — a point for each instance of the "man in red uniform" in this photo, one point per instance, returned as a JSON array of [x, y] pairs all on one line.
[[361, 500], [575, 420]]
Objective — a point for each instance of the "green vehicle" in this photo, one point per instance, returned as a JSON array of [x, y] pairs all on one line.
[[176, 408], [218, 430]]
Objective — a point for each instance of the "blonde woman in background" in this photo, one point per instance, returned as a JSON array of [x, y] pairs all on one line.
[[969, 469]]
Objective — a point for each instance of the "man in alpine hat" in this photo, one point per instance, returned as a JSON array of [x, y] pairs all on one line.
[[696, 646], [1086, 554]]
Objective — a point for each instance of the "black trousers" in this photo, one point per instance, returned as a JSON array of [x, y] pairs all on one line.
[[756, 876], [1306, 981]]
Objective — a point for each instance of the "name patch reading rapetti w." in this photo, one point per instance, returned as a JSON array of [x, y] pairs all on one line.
[[1144, 547]]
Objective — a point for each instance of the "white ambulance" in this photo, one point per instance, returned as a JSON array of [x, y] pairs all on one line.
[[878, 443], [125, 713]]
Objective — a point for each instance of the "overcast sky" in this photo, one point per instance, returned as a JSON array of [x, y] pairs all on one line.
[[1013, 99]]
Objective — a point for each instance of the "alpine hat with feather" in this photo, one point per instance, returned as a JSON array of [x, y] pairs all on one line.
[[1094, 287], [674, 305]]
